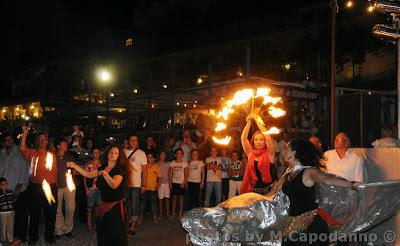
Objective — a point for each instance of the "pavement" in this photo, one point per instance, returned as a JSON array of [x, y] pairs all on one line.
[[167, 232]]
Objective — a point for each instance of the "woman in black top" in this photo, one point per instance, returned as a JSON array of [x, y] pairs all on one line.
[[110, 228], [304, 215]]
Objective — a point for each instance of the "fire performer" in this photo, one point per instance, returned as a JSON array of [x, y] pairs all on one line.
[[304, 215], [260, 172], [43, 168], [110, 228]]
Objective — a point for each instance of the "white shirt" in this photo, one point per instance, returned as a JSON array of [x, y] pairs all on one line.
[[350, 167], [195, 171], [137, 160], [213, 175], [14, 168], [386, 142], [178, 171]]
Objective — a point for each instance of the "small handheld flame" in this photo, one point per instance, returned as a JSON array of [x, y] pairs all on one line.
[[222, 141], [220, 126], [49, 161], [211, 112], [47, 192], [70, 181], [276, 112], [272, 130]]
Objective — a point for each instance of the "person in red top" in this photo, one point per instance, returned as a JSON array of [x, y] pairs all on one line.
[[259, 173], [36, 197]]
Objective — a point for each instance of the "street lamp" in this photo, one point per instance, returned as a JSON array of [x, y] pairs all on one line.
[[105, 77]]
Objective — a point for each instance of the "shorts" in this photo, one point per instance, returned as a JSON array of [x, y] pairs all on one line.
[[164, 191], [93, 199], [177, 190]]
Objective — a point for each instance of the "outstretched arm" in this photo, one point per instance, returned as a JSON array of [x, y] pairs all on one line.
[[83, 171], [313, 175], [244, 138]]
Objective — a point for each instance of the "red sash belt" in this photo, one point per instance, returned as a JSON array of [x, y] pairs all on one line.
[[328, 218], [107, 206]]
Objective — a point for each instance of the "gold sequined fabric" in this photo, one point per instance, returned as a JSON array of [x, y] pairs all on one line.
[[299, 223]]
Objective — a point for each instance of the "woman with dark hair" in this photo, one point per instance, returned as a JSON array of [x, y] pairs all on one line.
[[305, 218], [110, 224], [259, 173]]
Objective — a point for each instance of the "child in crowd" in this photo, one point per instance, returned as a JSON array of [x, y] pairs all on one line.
[[164, 191], [213, 164], [236, 171], [225, 161], [92, 193], [178, 174], [153, 182], [7, 213], [195, 179]]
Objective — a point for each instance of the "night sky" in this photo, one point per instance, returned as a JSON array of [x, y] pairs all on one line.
[[35, 33]]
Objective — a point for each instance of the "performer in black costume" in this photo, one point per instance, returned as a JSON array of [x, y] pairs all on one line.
[[305, 218], [110, 227]]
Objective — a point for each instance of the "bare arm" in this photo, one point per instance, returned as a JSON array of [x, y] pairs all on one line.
[[312, 176], [244, 138], [144, 175], [113, 182], [22, 145], [202, 174], [83, 171]]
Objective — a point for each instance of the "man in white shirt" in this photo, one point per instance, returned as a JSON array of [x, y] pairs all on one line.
[[342, 161], [136, 179], [15, 168], [187, 145]]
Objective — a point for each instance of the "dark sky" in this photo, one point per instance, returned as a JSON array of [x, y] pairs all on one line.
[[43, 31]]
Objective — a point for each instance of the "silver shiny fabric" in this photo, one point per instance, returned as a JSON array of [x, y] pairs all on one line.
[[253, 219]]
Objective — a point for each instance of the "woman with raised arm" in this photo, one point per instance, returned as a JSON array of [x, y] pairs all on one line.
[[260, 172], [305, 218], [110, 227]]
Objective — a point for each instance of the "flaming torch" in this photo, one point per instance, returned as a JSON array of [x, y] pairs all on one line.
[[47, 192], [49, 161], [70, 181], [241, 97]]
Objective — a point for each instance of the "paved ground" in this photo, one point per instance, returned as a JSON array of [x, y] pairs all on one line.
[[167, 232]]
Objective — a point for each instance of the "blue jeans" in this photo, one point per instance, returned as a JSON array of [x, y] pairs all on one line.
[[134, 199], [210, 186]]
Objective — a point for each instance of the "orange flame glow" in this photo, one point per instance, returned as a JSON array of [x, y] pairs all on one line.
[[222, 141], [276, 112], [49, 161], [70, 181], [47, 192], [220, 126], [272, 130]]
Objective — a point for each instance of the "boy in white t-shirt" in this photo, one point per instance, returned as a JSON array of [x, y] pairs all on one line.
[[236, 172], [178, 173], [195, 180], [213, 164]]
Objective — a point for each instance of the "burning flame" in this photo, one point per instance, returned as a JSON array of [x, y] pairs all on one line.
[[70, 181], [269, 99], [49, 161], [262, 92], [34, 163], [276, 112], [272, 130], [226, 111], [242, 97], [222, 141], [220, 126], [47, 191]]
